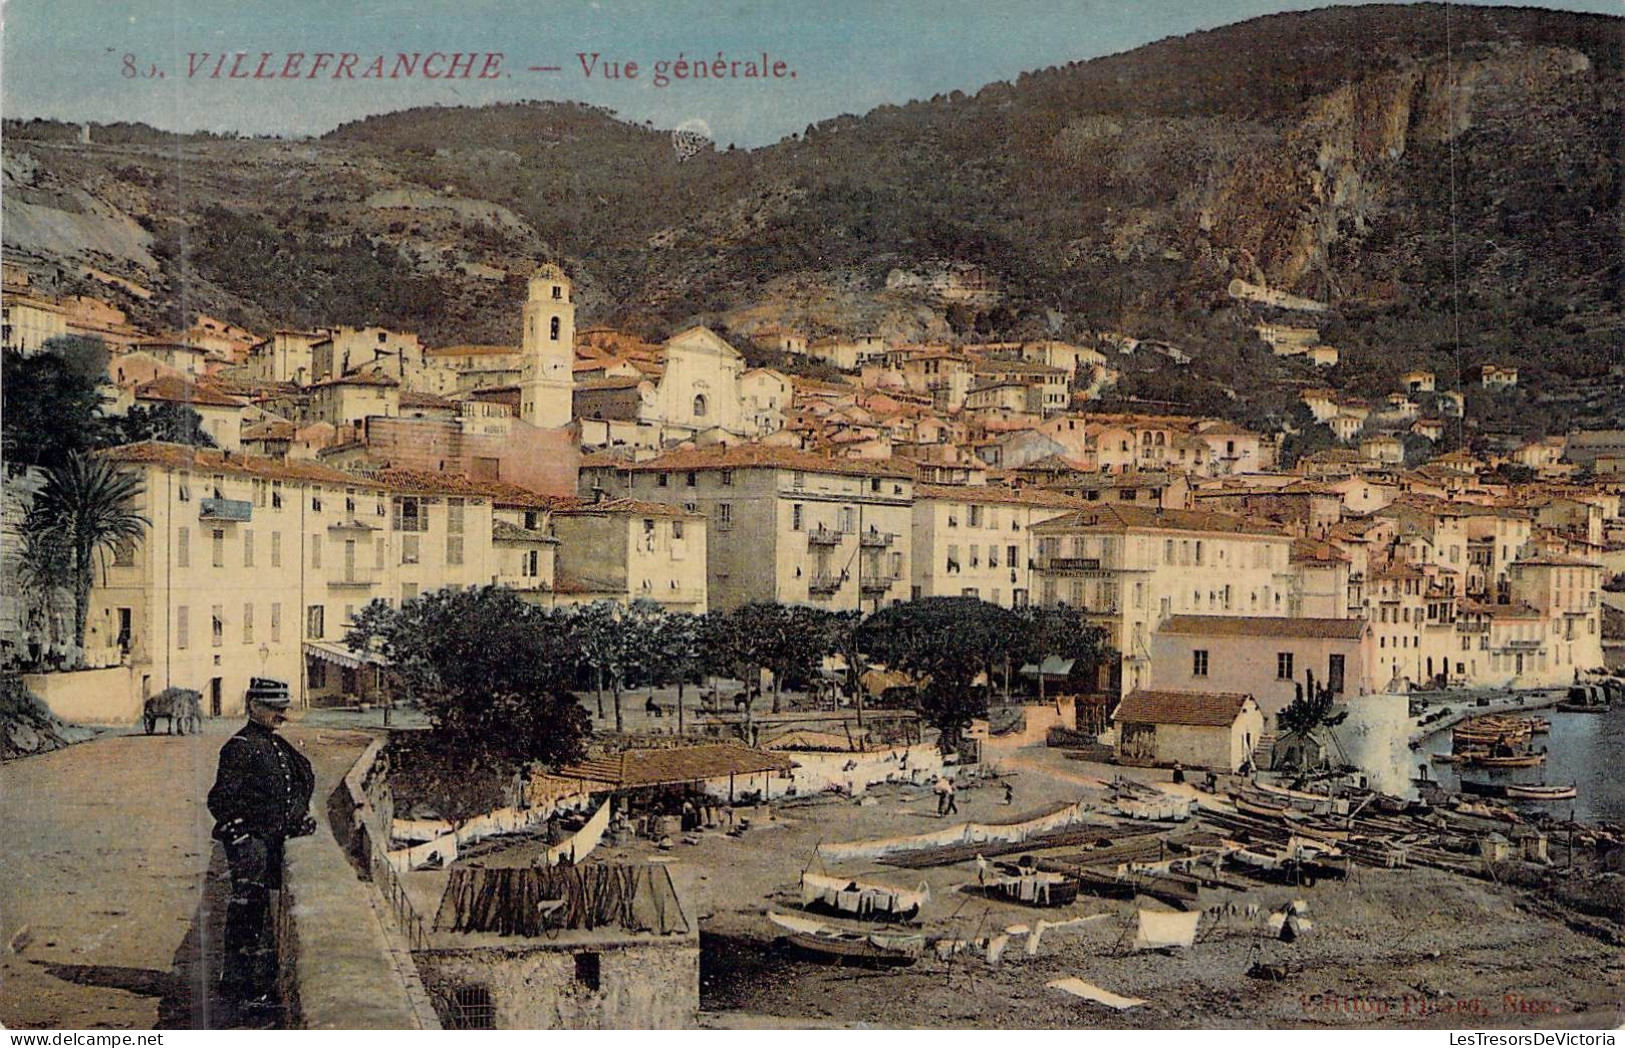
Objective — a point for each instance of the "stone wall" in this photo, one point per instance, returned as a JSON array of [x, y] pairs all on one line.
[[104, 696], [643, 985], [345, 953]]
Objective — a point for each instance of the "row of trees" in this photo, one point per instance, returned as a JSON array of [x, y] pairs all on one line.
[[497, 675]]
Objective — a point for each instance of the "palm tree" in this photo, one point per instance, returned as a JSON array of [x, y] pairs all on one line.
[[87, 506], [43, 569]]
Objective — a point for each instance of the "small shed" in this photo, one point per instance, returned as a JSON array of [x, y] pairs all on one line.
[[1214, 730]]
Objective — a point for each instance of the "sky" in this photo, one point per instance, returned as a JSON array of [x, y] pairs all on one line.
[[98, 60]]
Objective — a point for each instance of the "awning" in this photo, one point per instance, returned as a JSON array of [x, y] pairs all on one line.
[[339, 655], [1054, 666]]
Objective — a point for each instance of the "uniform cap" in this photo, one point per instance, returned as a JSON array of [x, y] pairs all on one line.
[[269, 692]]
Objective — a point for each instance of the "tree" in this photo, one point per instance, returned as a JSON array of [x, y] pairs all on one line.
[[678, 644], [600, 640], [1308, 716], [86, 507], [944, 643], [51, 401], [1062, 632], [171, 423], [491, 671]]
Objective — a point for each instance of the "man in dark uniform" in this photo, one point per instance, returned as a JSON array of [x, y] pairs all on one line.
[[261, 797]]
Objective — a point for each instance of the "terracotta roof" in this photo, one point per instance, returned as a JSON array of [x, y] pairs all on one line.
[[271, 429], [472, 351], [1314, 550], [766, 456], [632, 768], [584, 507], [1203, 709], [358, 378], [1119, 515], [209, 460], [610, 382], [502, 530], [432, 482], [1263, 626], [982, 493], [1556, 560], [179, 391]]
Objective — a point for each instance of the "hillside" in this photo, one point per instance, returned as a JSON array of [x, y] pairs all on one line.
[[1312, 153]]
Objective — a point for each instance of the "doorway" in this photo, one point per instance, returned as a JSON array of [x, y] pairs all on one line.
[[214, 697]]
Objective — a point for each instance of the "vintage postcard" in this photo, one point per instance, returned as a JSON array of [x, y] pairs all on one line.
[[605, 514]]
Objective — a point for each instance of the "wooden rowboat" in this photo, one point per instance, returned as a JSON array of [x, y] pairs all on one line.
[[1261, 808], [1541, 792], [1520, 760], [839, 946]]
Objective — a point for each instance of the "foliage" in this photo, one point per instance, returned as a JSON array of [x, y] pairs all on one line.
[[944, 642], [52, 401], [171, 423], [422, 770], [87, 508], [1310, 710], [491, 671], [1062, 632]]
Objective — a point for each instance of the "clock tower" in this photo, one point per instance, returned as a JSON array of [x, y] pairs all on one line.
[[549, 350]]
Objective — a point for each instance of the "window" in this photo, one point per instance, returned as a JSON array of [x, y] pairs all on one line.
[[725, 515], [217, 626], [727, 478], [1283, 665], [690, 478], [409, 591], [183, 622], [183, 488], [662, 480], [553, 329], [276, 623], [973, 517], [676, 529], [379, 551], [797, 512], [454, 549], [316, 550], [315, 622], [411, 515], [248, 623], [248, 548], [316, 500], [588, 970], [409, 549], [276, 549], [454, 516], [219, 548], [318, 674], [123, 553], [798, 479], [699, 405], [183, 547], [1010, 557], [276, 494], [1199, 663], [1334, 673]]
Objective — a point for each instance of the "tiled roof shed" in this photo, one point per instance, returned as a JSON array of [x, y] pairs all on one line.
[[633, 768], [1197, 708]]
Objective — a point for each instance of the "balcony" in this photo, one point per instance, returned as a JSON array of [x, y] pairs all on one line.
[[873, 539], [878, 585], [822, 536], [225, 511], [825, 585], [354, 580]]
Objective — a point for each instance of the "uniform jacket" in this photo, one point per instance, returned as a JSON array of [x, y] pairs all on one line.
[[263, 787]]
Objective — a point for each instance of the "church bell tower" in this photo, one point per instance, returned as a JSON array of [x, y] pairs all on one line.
[[549, 350]]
